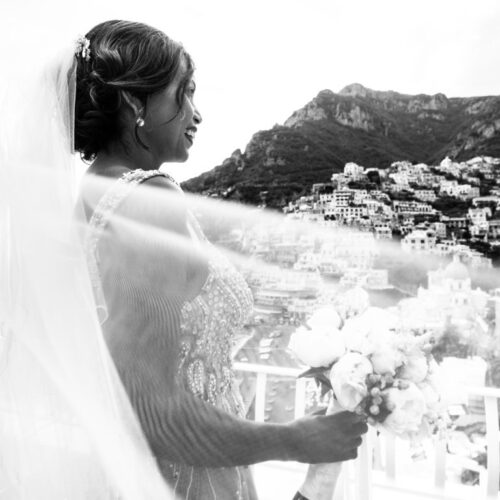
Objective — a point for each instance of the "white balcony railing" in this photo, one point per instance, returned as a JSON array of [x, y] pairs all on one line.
[[375, 473]]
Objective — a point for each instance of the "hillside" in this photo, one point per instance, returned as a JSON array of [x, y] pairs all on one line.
[[371, 128]]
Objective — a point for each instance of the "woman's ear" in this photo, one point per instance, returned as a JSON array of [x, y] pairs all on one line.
[[134, 104]]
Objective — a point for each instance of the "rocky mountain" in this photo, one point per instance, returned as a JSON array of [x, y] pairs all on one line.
[[368, 127]]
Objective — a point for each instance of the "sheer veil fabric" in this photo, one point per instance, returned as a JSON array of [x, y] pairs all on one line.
[[67, 430]]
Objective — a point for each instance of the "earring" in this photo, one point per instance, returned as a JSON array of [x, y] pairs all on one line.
[[140, 122]]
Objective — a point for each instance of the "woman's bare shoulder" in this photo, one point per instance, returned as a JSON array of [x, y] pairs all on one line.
[[162, 180], [156, 198], [158, 201], [95, 183]]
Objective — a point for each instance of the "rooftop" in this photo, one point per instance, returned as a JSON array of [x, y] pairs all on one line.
[[456, 270]]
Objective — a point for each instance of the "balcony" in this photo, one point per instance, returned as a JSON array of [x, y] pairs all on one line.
[[384, 469]]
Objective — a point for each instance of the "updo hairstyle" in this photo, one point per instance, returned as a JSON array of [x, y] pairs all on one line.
[[124, 56]]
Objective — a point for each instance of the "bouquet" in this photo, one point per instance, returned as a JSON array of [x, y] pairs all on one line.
[[372, 367]]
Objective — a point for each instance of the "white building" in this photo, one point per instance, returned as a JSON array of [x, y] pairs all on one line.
[[402, 179], [479, 221], [472, 258], [343, 197], [494, 229], [475, 181], [446, 247], [454, 281], [419, 240], [439, 228], [447, 187], [380, 195], [479, 215], [377, 279], [350, 212], [411, 207], [482, 201], [382, 231], [455, 222], [430, 179], [366, 278], [326, 197], [354, 248], [448, 299], [374, 207], [353, 171], [451, 167], [462, 191], [427, 195], [307, 261], [340, 180], [360, 195], [475, 259], [465, 191], [401, 166]]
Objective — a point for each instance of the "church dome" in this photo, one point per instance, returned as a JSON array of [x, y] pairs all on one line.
[[455, 270]]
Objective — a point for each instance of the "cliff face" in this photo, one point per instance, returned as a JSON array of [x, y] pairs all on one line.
[[372, 128]]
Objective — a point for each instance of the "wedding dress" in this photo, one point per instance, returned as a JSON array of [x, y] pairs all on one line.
[[185, 341]]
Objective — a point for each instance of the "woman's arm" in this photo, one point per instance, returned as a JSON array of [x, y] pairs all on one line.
[[147, 261]]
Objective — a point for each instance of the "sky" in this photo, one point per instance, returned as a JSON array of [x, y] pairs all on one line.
[[260, 60]]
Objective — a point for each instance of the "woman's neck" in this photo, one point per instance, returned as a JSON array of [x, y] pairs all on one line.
[[119, 155]]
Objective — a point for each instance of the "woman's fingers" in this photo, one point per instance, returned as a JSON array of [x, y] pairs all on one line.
[[358, 441], [360, 428]]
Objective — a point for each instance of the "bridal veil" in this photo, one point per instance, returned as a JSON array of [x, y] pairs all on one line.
[[67, 430]]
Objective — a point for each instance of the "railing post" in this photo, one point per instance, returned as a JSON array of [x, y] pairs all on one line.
[[390, 456], [440, 463], [364, 469], [300, 397], [377, 452], [493, 451], [260, 397]]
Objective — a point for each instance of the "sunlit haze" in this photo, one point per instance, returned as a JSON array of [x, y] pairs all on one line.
[[258, 61]]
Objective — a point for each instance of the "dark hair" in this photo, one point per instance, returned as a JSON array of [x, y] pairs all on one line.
[[128, 56]]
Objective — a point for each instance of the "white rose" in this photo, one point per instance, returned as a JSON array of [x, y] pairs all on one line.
[[348, 379], [326, 318], [355, 333], [386, 359], [317, 348], [384, 352], [370, 332], [415, 367], [408, 409]]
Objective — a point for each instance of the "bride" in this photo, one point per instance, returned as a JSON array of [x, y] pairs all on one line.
[[116, 401]]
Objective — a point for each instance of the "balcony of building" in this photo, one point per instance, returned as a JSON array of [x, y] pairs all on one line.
[[385, 468]]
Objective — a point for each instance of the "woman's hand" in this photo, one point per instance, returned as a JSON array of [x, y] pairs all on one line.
[[328, 438]]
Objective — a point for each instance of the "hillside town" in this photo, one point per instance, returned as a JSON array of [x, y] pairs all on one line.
[[416, 240], [448, 208]]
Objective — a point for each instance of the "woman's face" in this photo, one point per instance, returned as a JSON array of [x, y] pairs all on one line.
[[169, 131]]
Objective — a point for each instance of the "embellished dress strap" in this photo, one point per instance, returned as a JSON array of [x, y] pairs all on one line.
[[106, 206]]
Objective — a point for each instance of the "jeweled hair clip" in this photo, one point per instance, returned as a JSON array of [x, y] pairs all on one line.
[[82, 48]]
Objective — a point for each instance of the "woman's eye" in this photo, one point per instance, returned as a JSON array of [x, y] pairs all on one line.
[[191, 88]]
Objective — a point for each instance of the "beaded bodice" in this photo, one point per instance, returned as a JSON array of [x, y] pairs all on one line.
[[209, 321]]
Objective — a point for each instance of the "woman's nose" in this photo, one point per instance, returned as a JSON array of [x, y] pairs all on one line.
[[197, 116]]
